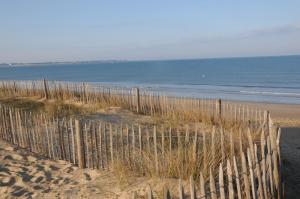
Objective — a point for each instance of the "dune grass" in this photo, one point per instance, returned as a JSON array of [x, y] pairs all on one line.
[[55, 108], [179, 162]]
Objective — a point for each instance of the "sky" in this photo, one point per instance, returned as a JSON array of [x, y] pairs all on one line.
[[75, 30]]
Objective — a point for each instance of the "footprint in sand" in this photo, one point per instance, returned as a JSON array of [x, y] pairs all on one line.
[[39, 179], [7, 181], [37, 187], [40, 167], [18, 191], [69, 169], [24, 168], [87, 177], [25, 176], [58, 181], [53, 168], [4, 169], [37, 176], [46, 190], [48, 175], [8, 157]]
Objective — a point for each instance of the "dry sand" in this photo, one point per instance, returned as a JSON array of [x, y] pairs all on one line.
[[26, 175]]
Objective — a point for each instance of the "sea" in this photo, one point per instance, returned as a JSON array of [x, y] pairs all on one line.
[[257, 79]]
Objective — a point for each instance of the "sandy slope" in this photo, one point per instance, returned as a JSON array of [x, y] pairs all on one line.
[[25, 175]]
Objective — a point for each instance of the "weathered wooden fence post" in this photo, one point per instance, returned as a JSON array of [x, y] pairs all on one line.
[[85, 99], [221, 182], [79, 145], [46, 91], [15, 89], [180, 190], [155, 149], [150, 195], [12, 128], [212, 186], [218, 108], [192, 188], [266, 118], [111, 141], [138, 103]]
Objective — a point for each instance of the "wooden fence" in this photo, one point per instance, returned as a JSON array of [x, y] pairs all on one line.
[[135, 99], [244, 163]]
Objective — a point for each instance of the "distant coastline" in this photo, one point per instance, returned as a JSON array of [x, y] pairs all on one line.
[[58, 63], [20, 64]]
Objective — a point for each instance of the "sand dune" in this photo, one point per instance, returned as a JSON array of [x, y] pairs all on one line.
[[26, 175]]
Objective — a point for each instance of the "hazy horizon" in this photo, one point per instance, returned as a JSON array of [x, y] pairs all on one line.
[[67, 31], [143, 60]]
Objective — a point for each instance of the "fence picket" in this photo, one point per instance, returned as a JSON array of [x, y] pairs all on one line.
[[230, 181], [253, 184], [221, 182], [202, 186], [180, 190], [245, 176], [111, 145], [192, 188], [79, 145], [237, 179], [212, 186]]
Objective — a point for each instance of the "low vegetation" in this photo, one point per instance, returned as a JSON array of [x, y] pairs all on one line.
[[181, 138]]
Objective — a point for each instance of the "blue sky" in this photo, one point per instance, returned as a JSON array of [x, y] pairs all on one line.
[[72, 30]]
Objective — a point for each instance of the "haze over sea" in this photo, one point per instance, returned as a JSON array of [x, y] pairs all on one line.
[[262, 79]]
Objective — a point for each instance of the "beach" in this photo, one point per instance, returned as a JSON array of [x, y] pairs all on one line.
[[149, 99], [118, 137], [28, 175]]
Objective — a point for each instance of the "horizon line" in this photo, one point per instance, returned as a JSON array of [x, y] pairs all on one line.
[[140, 60]]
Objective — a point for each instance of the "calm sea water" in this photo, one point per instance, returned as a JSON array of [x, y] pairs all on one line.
[[268, 79]]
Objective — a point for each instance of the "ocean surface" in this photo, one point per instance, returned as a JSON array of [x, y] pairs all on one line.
[[262, 79]]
